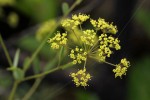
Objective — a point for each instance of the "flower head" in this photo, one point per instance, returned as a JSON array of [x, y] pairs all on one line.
[[121, 68], [88, 37], [58, 40], [106, 44], [81, 78], [89, 45], [75, 21], [78, 55], [104, 26]]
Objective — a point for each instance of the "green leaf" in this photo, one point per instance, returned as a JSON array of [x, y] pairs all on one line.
[[16, 58], [36, 66], [65, 8], [18, 74]]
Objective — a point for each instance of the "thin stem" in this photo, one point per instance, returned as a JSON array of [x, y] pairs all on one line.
[[48, 72], [41, 74], [6, 51], [80, 27], [84, 63], [33, 88], [12, 93], [109, 63], [92, 48]]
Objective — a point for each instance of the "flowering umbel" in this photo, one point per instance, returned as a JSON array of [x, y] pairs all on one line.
[[121, 68], [81, 78], [88, 45], [58, 40]]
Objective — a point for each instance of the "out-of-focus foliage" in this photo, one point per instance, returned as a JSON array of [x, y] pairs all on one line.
[[84, 95], [1, 13], [143, 17], [65, 8], [24, 42], [5, 80], [39, 10], [5, 83], [13, 19], [139, 80], [45, 28], [6, 2]]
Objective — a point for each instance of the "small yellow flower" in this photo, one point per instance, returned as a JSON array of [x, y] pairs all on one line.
[[78, 55], [88, 37], [81, 78], [104, 26], [121, 68], [75, 21], [80, 17], [58, 40]]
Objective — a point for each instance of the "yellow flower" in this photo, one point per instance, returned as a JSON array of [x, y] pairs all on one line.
[[106, 43], [75, 21], [78, 55], [88, 37], [81, 78], [121, 68], [104, 26], [80, 17], [58, 40]]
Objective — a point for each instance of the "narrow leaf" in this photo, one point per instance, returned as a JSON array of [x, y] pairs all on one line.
[[16, 58], [65, 8]]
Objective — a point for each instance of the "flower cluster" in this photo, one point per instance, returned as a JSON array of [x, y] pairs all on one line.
[[75, 21], [88, 37], [58, 40], [106, 43], [78, 55], [104, 26], [121, 68], [81, 78], [89, 45]]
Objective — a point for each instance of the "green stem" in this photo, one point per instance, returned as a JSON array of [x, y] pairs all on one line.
[[48, 72], [41, 74], [6, 51], [33, 88], [12, 93], [109, 63]]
